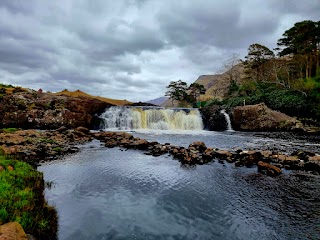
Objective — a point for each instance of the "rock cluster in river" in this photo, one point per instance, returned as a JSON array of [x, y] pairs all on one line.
[[268, 162], [33, 146]]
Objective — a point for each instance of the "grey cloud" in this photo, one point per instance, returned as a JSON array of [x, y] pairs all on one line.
[[132, 48]]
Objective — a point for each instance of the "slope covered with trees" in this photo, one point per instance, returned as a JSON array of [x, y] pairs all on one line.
[[286, 79]]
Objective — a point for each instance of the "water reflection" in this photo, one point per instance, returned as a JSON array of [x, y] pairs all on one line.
[[110, 194]]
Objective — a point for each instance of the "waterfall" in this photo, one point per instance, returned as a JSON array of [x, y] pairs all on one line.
[[227, 117], [135, 118]]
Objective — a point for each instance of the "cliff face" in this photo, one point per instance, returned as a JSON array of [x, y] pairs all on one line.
[[48, 111]]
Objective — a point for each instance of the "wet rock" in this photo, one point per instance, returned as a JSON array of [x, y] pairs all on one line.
[[222, 154], [208, 154], [12, 231], [251, 157], [315, 158], [239, 163], [212, 118], [198, 146], [268, 169], [83, 130], [61, 129]]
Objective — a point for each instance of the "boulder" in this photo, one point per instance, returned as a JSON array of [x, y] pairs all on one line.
[[260, 118], [12, 231], [252, 157], [83, 130], [198, 146], [268, 169]]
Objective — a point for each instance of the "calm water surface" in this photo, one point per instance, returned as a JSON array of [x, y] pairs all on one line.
[[105, 193]]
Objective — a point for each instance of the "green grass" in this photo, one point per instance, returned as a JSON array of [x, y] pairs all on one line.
[[57, 149], [9, 130], [22, 199]]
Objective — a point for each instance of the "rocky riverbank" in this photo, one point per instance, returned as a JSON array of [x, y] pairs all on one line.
[[33, 146]]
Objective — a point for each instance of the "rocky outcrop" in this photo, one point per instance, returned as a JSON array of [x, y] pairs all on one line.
[[261, 118], [32, 146], [48, 111], [212, 119], [12, 231]]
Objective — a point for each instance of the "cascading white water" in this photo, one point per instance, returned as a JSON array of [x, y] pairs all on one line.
[[135, 118], [227, 117]]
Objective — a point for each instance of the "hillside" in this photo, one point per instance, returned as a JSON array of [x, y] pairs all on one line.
[[79, 93], [218, 85]]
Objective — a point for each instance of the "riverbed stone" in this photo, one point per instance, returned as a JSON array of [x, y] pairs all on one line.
[[268, 169], [207, 156], [198, 146], [315, 158]]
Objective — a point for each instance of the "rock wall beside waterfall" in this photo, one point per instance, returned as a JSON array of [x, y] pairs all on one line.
[[212, 118], [48, 111], [261, 118]]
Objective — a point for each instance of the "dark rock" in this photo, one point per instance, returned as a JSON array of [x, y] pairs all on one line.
[[252, 157], [198, 146], [268, 169], [212, 118], [83, 130]]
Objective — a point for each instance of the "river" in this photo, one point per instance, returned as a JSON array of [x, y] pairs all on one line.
[[103, 193]]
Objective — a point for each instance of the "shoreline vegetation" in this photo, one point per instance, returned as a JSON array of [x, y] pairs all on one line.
[[22, 199]]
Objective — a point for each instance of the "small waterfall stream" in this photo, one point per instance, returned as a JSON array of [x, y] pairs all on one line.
[[135, 118], [227, 117]]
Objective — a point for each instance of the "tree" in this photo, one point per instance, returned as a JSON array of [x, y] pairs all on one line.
[[232, 69], [258, 56], [177, 90], [195, 90], [303, 39]]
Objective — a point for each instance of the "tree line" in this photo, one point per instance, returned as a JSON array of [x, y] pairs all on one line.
[[286, 78]]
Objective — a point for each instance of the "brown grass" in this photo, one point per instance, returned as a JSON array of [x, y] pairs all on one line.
[[79, 93]]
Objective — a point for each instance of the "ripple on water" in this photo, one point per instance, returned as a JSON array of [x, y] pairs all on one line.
[[111, 194]]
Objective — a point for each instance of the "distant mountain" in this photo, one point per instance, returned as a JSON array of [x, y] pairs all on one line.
[[158, 101]]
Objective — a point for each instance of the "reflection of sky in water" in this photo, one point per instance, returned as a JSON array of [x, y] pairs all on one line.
[[103, 193]]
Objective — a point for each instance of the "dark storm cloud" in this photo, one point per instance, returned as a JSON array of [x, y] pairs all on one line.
[[133, 48]]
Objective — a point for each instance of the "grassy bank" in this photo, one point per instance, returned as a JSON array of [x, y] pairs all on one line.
[[22, 199]]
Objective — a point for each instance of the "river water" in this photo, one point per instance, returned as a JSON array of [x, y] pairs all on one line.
[[103, 193]]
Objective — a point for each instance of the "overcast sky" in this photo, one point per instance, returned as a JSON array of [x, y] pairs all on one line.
[[132, 49]]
